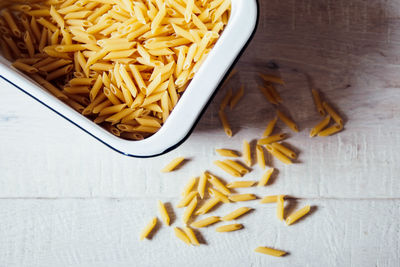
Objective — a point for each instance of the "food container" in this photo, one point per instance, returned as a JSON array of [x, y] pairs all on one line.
[[182, 120]]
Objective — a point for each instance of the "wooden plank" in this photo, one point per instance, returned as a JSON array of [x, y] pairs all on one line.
[[104, 232]]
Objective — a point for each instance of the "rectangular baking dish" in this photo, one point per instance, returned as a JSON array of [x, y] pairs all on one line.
[[235, 37]]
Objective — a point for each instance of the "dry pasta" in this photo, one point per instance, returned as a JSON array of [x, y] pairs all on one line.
[[285, 150], [270, 251], [229, 227], [228, 169], [218, 195], [146, 50], [317, 102], [206, 222], [288, 121], [265, 178], [237, 166], [225, 123], [186, 200], [331, 130], [280, 207], [269, 199], [260, 156], [201, 187], [181, 235], [320, 126], [242, 197], [218, 185], [333, 113], [246, 153], [148, 228], [191, 235], [272, 79], [240, 184], [270, 127], [236, 214], [297, 215], [271, 139], [208, 205], [189, 186], [227, 153], [173, 164], [278, 155], [163, 212], [189, 210], [235, 99]]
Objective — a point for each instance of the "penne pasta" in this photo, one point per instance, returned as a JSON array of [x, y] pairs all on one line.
[[269, 199], [189, 210], [173, 164], [265, 178], [208, 205], [286, 120], [226, 99], [235, 99], [270, 251], [240, 184], [191, 235], [148, 228], [206, 222], [242, 197], [218, 195], [272, 79], [186, 199], [201, 187], [229, 227], [163, 212], [277, 154], [297, 215], [236, 214], [331, 130], [333, 113], [228, 169], [246, 153], [320, 126], [284, 150], [318, 102], [227, 153], [189, 186], [218, 184], [225, 123], [181, 235], [280, 207], [270, 127], [237, 166], [260, 157]]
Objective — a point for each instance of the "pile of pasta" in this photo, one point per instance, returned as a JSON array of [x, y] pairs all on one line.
[[122, 63]]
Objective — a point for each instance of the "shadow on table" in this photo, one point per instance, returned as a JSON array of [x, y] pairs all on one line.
[[327, 47]]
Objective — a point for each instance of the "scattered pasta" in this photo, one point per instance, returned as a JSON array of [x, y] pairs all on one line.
[[173, 164], [269, 199], [189, 186], [284, 150], [246, 153], [270, 127], [148, 228], [240, 184], [320, 126], [163, 212], [235, 99], [272, 79], [280, 207], [208, 205], [270, 251], [271, 139], [242, 197], [206, 222], [227, 153], [189, 210], [265, 178], [288, 121], [229, 227], [260, 156], [191, 235], [297, 215], [236, 214], [181, 235], [317, 101]]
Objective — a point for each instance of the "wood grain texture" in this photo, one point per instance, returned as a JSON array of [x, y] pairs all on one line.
[[96, 201]]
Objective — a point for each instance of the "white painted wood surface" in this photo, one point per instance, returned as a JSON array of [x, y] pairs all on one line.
[[67, 200]]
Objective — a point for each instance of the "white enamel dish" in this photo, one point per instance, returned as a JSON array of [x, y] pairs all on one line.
[[237, 34]]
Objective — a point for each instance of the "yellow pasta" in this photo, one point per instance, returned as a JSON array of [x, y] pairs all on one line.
[[240, 184], [297, 215], [242, 197], [289, 122], [208, 205], [247, 153], [270, 251], [229, 227], [280, 207], [173, 164], [284, 150], [186, 199], [189, 210], [218, 195], [269, 199], [227, 152], [201, 187], [236, 214], [228, 169], [267, 94], [163, 212], [148, 228], [225, 123], [218, 184], [181, 235], [260, 157], [206, 222], [189, 186], [320, 126], [277, 154], [191, 235], [235, 99], [272, 79], [25, 67], [318, 102], [226, 99], [333, 113], [265, 178], [331, 130], [270, 127], [274, 93], [237, 166]]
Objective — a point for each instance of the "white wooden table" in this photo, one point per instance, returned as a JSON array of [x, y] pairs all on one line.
[[68, 200]]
